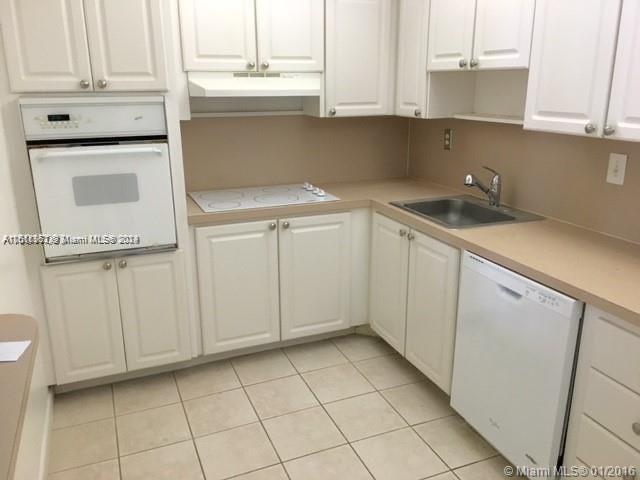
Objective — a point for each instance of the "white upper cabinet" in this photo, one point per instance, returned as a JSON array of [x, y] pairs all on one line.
[[572, 57], [623, 121], [46, 45], [411, 81], [503, 34], [126, 44], [359, 42], [290, 35], [315, 274], [218, 35], [450, 34], [153, 302]]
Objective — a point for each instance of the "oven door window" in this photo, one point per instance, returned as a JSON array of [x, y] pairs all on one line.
[[105, 189]]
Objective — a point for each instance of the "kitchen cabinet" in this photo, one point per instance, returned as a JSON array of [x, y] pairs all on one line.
[[115, 315], [238, 284], [252, 35], [413, 296], [359, 44], [315, 274], [76, 45], [480, 34], [572, 56]]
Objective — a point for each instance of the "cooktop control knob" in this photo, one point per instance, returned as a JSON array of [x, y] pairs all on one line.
[[307, 186], [320, 192]]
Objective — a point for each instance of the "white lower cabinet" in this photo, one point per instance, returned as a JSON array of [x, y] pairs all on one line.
[[414, 295], [106, 317], [238, 277]]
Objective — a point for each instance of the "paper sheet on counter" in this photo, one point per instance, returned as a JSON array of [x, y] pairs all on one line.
[[12, 351]]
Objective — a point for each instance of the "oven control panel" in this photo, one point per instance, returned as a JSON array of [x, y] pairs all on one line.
[[58, 120]]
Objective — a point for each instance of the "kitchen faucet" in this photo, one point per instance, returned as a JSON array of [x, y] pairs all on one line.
[[492, 191]]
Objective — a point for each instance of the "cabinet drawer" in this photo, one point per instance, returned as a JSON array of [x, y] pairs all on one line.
[[599, 448], [616, 352], [613, 406]]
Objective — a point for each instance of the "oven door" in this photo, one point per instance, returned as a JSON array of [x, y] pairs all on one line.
[[118, 193]]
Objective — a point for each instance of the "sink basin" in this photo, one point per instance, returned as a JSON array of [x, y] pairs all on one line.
[[464, 212]]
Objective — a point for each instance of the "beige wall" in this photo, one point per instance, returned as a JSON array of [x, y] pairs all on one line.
[[247, 151], [555, 175]]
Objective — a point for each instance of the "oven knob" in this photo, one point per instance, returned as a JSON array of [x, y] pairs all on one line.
[[316, 191], [321, 193], [307, 186]]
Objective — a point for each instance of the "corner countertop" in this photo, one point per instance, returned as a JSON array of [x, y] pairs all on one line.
[[600, 270]]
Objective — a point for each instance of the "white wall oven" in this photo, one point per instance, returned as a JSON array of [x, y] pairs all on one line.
[[101, 174]]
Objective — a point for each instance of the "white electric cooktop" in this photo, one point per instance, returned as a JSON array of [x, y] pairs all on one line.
[[259, 197]]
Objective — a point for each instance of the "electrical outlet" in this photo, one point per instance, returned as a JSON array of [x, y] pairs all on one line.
[[448, 139], [617, 167]]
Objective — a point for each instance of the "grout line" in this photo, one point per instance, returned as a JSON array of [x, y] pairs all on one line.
[[115, 426]]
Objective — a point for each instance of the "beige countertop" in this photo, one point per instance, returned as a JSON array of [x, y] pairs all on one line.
[[598, 269]]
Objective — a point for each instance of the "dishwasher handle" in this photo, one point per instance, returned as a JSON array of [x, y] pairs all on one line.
[[512, 293]]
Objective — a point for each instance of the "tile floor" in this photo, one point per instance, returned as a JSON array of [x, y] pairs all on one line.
[[347, 408]]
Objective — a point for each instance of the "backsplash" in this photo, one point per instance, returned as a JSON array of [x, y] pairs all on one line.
[[558, 176], [249, 151]]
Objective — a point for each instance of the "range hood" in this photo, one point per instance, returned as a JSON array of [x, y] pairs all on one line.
[[228, 84]]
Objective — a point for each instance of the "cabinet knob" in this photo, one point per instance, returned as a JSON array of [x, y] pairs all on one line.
[[122, 264], [272, 226], [417, 112], [286, 225], [636, 428], [411, 236], [84, 84], [609, 130], [265, 65], [107, 265], [102, 83], [462, 63], [332, 112], [473, 63], [589, 128], [251, 65], [402, 232]]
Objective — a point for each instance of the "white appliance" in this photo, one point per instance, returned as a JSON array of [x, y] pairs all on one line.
[[101, 173], [260, 197], [514, 358]]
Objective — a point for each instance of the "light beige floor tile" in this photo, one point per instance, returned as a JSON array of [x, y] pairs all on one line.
[[444, 476], [263, 366], [142, 393], [177, 461], [419, 402], [277, 397], [336, 383], [389, 371], [82, 445], [399, 455], [492, 469], [363, 416], [312, 356], [82, 406], [206, 379], [362, 347], [301, 433], [271, 473], [152, 428], [336, 464], [108, 470], [235, 451], [455, 441], [219, 411]]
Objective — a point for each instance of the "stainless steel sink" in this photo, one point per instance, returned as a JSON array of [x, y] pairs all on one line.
[[464, 211]]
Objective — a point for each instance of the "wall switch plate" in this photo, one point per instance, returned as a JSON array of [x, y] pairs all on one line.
[[448, 138], [617, 167]]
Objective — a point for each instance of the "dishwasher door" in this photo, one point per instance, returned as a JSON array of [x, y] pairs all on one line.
[[514, 356]]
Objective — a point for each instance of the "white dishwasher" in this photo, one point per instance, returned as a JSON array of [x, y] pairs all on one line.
[[514, 357]]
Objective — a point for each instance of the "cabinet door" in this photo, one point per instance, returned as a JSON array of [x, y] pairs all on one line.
[[126, 42], [290, 35], [153, 302], [84, 320], [238, 277], [624, 104], [315, 274], [388, 288], [411, 81], [432, 307], [218, 35], [45, 45], [358, 57], [571, 62], [503, 34], [450, 34]]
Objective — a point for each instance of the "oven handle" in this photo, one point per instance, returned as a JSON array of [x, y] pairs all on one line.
[[109, 151]]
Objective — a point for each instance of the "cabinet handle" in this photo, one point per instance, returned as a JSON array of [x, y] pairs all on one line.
[[609, 130], [251, 65], [473, 63], [332, 112], [107, 265], [636, 428], [417, 112], [462, 63], [84, 84], [402, 232], [272, 226], [589, 128], [411, 236], [102, 83], [285, 225], [122, 264], [265, 65]]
